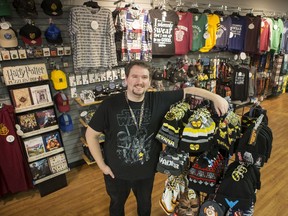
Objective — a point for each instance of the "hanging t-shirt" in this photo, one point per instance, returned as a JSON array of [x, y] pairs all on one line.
[[223, 33], [237, 33], [92, 37], [277, 29], [15, 174], [264, 40], [284, 41], [240, 83], [163, 26], [210, 34], [199, 27], [183, 33], [136, 41], [253, 26]]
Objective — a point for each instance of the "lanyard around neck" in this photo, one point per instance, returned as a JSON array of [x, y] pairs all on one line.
[[138, 126]]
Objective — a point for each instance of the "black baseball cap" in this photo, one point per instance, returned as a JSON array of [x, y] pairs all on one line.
[[31, 34], [25, 8], [52, 7]]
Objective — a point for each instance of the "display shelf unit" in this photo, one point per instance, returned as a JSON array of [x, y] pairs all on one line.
[[40, 131], [46, 154], [34, 107], [37, 125], [80, 102]]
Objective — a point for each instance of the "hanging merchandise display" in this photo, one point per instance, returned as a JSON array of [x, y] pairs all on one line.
[[92, 37], [163, 23], [31, 34], [253, 24], [15, 174], [223, 33], [52, 7], [26, 8], [183, 33], [199, 27], [210, 35], [8, 36], [134, 31]]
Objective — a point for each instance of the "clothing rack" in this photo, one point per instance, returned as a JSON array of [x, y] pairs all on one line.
[[224, 8]]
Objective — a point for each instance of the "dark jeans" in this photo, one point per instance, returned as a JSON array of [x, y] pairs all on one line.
[[119, 190]]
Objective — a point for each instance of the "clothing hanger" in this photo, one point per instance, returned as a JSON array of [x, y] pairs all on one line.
[[236, 14], [208, 10], [194, 8], [250, 14], [92, 4], [219, 13]]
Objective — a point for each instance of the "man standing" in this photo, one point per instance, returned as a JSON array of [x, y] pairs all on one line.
[[130, 122]]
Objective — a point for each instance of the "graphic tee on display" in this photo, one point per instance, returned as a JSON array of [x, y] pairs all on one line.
[[163, 25], [183, 33], [199, 27], [240, 83], [237, 33]]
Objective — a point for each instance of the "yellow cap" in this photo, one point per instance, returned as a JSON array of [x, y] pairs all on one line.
[[59, 79]]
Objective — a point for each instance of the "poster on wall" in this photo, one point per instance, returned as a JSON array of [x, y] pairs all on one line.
[[24, 74]]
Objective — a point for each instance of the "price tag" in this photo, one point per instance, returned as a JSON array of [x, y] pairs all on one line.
[[243, 56], [251, 26], [4, 25], [94, 25]]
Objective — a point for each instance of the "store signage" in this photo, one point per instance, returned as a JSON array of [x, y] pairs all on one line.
[[24, 74]]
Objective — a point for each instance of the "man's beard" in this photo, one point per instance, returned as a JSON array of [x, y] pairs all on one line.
[[135, 92], [138, 94]]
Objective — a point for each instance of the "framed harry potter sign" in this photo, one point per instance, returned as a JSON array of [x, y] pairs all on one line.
[[24, 74]]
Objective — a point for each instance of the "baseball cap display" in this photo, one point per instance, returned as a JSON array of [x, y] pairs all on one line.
[[5, 9], [52, 7], [65, 122], [8, 38], [62, 102], [53, 34], [25, 8], [31, 34], [59, 79]]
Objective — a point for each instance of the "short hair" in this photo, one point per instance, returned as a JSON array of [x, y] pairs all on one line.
[[139, 63]]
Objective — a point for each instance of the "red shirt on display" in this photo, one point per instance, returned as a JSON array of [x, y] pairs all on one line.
[[183, 33]]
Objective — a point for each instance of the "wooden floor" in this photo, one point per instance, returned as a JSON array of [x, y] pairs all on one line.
[[85, 194]]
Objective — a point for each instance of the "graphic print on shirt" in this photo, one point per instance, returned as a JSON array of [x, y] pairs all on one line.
[[240, 78], [133, 146], [163, 32]]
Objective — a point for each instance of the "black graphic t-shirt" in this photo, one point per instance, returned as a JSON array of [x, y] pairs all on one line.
[[132, 154], [163, 25], [240, 83]]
